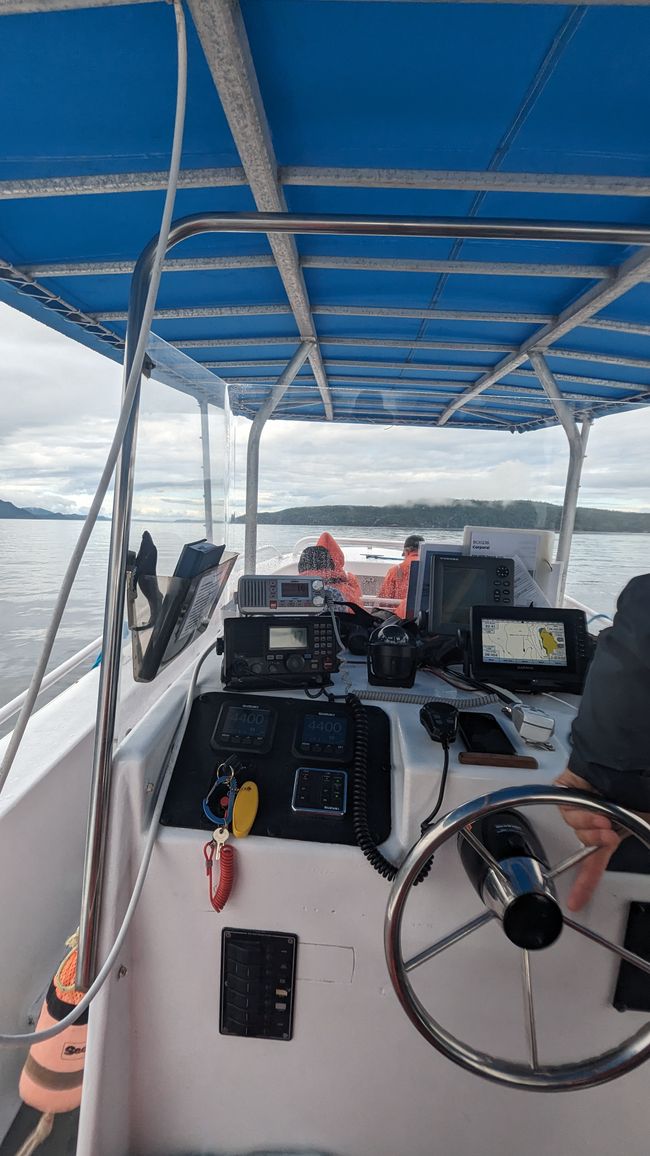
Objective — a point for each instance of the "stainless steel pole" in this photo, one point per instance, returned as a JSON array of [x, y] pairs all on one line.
[[253, 451], [207, 472], [335, 224], [110, 667], [577, 439]]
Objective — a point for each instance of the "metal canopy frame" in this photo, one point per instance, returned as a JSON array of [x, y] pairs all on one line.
[[226, 47], [611, 283], [18, 7], [227, 51], [321, 320]]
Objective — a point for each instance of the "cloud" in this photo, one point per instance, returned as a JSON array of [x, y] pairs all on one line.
[[60, 403], [377, 465]]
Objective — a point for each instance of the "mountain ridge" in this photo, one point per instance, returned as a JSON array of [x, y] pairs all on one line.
[[454, 515], [35, 513]]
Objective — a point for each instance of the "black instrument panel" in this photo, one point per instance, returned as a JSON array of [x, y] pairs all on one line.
[[274, 738]]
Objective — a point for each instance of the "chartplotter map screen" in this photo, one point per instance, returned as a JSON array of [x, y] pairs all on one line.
[[520, 640]]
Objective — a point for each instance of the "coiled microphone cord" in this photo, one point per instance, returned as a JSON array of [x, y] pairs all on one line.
[[361, 828]]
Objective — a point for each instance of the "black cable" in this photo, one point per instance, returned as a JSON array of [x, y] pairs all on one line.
[[320, 691], [360, 791], [429, 819], [441, 792], [474, 684], [360, 825]]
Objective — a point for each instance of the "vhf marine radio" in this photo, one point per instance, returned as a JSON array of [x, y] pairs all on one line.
[[280, 594], [272, 651]]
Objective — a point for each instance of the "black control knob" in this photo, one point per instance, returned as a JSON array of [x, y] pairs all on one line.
[[295, 663], [256, 668]]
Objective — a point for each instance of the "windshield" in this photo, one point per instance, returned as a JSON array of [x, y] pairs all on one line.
[[385, 482]]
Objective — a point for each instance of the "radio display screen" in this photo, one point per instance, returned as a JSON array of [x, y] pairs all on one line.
[[324, 730], [295, 589], [245, 722], [288, 638]]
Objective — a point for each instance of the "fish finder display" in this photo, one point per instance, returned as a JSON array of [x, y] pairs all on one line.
[[521, 641], [469, 589]]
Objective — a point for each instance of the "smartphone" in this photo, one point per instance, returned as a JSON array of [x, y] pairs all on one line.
[[483, 733]]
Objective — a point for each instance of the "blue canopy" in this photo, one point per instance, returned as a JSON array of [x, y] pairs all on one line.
[[536, 112]]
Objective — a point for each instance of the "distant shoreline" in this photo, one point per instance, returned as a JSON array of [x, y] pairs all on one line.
[[35, 514], [455, 515]]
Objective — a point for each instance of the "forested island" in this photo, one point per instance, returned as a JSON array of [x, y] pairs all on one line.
[[455, 514], [8, 510]]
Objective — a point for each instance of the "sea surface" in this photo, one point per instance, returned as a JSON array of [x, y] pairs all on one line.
[[34, 555]]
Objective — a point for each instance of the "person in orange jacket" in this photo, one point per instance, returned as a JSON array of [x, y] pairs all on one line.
[[326, 560], [396, 582]]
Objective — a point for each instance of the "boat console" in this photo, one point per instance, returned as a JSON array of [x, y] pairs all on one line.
[[281, 1008]]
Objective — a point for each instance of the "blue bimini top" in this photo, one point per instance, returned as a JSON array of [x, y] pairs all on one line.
[[393, 110]]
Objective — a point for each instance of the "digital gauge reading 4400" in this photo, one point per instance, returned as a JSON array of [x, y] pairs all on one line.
[[244, 727], [324, 734]]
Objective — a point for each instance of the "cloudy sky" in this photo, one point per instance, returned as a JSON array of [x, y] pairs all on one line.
[[60, 400]]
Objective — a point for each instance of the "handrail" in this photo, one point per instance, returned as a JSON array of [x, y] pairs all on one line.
[[595, 617], [13, 706], [363, 540], [592, 615]]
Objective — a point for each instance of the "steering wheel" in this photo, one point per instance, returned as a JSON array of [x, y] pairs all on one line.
[[534, 1076]]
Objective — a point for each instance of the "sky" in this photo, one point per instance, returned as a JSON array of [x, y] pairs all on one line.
[[60, 402]]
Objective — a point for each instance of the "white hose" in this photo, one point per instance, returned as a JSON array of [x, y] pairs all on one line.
[[129, 392], [14, 1041]]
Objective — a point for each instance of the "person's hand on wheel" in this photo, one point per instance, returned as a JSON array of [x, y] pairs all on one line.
[[594, 831]]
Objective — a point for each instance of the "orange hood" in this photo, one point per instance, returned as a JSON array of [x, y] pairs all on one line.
[[335, 551]]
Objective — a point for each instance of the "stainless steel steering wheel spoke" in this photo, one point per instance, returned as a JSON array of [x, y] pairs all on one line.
[[529, 1008], [483, 852], [622, 952], [448, 941], [571, 861]]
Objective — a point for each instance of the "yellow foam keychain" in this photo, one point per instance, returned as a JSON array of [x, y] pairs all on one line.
[[245, 809]]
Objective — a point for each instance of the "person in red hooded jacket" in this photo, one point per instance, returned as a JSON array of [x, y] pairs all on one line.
[[396, 582], [326, 560]]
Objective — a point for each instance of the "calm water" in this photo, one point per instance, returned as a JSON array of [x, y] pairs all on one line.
[[33, 557]]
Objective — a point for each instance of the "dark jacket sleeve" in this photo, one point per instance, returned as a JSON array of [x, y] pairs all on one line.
[[611, 732]]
